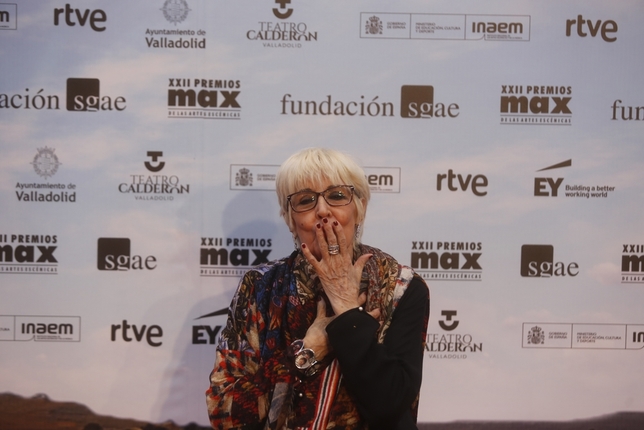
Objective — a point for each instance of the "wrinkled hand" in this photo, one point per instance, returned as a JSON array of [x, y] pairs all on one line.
[[316, 337], [340, 278]]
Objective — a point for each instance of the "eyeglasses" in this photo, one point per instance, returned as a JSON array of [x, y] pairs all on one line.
[[336, 195]]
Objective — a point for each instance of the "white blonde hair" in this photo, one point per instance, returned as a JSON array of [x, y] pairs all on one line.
[[316, 166]]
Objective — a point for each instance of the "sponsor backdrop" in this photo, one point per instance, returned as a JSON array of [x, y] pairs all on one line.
[[502, 139]]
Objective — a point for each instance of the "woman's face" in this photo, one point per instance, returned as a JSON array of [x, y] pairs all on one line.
[[306, 222]]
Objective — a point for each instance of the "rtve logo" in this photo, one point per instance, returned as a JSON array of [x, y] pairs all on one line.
[[537, 261], [448, 324], [95, 16], [417, 101], [149, 332], [549, 187], [606, 27], [477, 182], [114, 254], [278, 12], [83, 95]]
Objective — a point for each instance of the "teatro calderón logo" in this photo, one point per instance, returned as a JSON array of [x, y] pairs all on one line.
[[31, 254], [451, 343], [447, 260], [192, 98], [232, 256], [284, 31], [178, 35], [45, 164], [536, 105], [154, 185]]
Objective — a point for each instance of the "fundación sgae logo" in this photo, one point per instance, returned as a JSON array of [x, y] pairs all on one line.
[[545, 186], [447, 261], [175, 12], [537, 261], [632, 263], [449, 343], [154, 187], [232, 256], [114, 254], [45, 163], [282, 33], [627, 112], [28, 254], [84, 95], [204, 98], [40, 328], [416, 101]]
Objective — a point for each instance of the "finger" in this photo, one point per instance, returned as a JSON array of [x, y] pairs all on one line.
[[321, 309], [309, 257], [330, 236], [362, 298], [361, 261], [375, 313], [341, 237], [321, 238]]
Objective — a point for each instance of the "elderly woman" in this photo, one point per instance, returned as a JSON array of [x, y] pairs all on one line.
[[332, 336]]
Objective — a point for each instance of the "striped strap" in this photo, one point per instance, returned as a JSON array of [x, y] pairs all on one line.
[[328, 390]]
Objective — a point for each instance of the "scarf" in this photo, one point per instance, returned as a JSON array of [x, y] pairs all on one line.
[[287, 298]]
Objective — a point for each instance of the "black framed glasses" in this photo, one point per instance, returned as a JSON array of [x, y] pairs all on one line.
[[335, 195]]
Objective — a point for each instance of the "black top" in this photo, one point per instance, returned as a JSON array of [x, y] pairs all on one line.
[[384, 378]]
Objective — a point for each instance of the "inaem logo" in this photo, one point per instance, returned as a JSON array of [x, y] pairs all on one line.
[[207, 334], [417, 101], [549, 187], [114, 255], [537, 261], [83, 95], [278, 12], [8, 16]]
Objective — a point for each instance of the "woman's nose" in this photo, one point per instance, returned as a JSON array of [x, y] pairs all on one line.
[[323, 209]]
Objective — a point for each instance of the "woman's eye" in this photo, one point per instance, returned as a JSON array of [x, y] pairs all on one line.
[[305, 200]]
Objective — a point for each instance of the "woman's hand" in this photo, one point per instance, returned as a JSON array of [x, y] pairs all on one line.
[[340, 278], [316, 337]]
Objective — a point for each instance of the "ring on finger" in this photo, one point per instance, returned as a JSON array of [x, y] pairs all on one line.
[[334, 249]]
